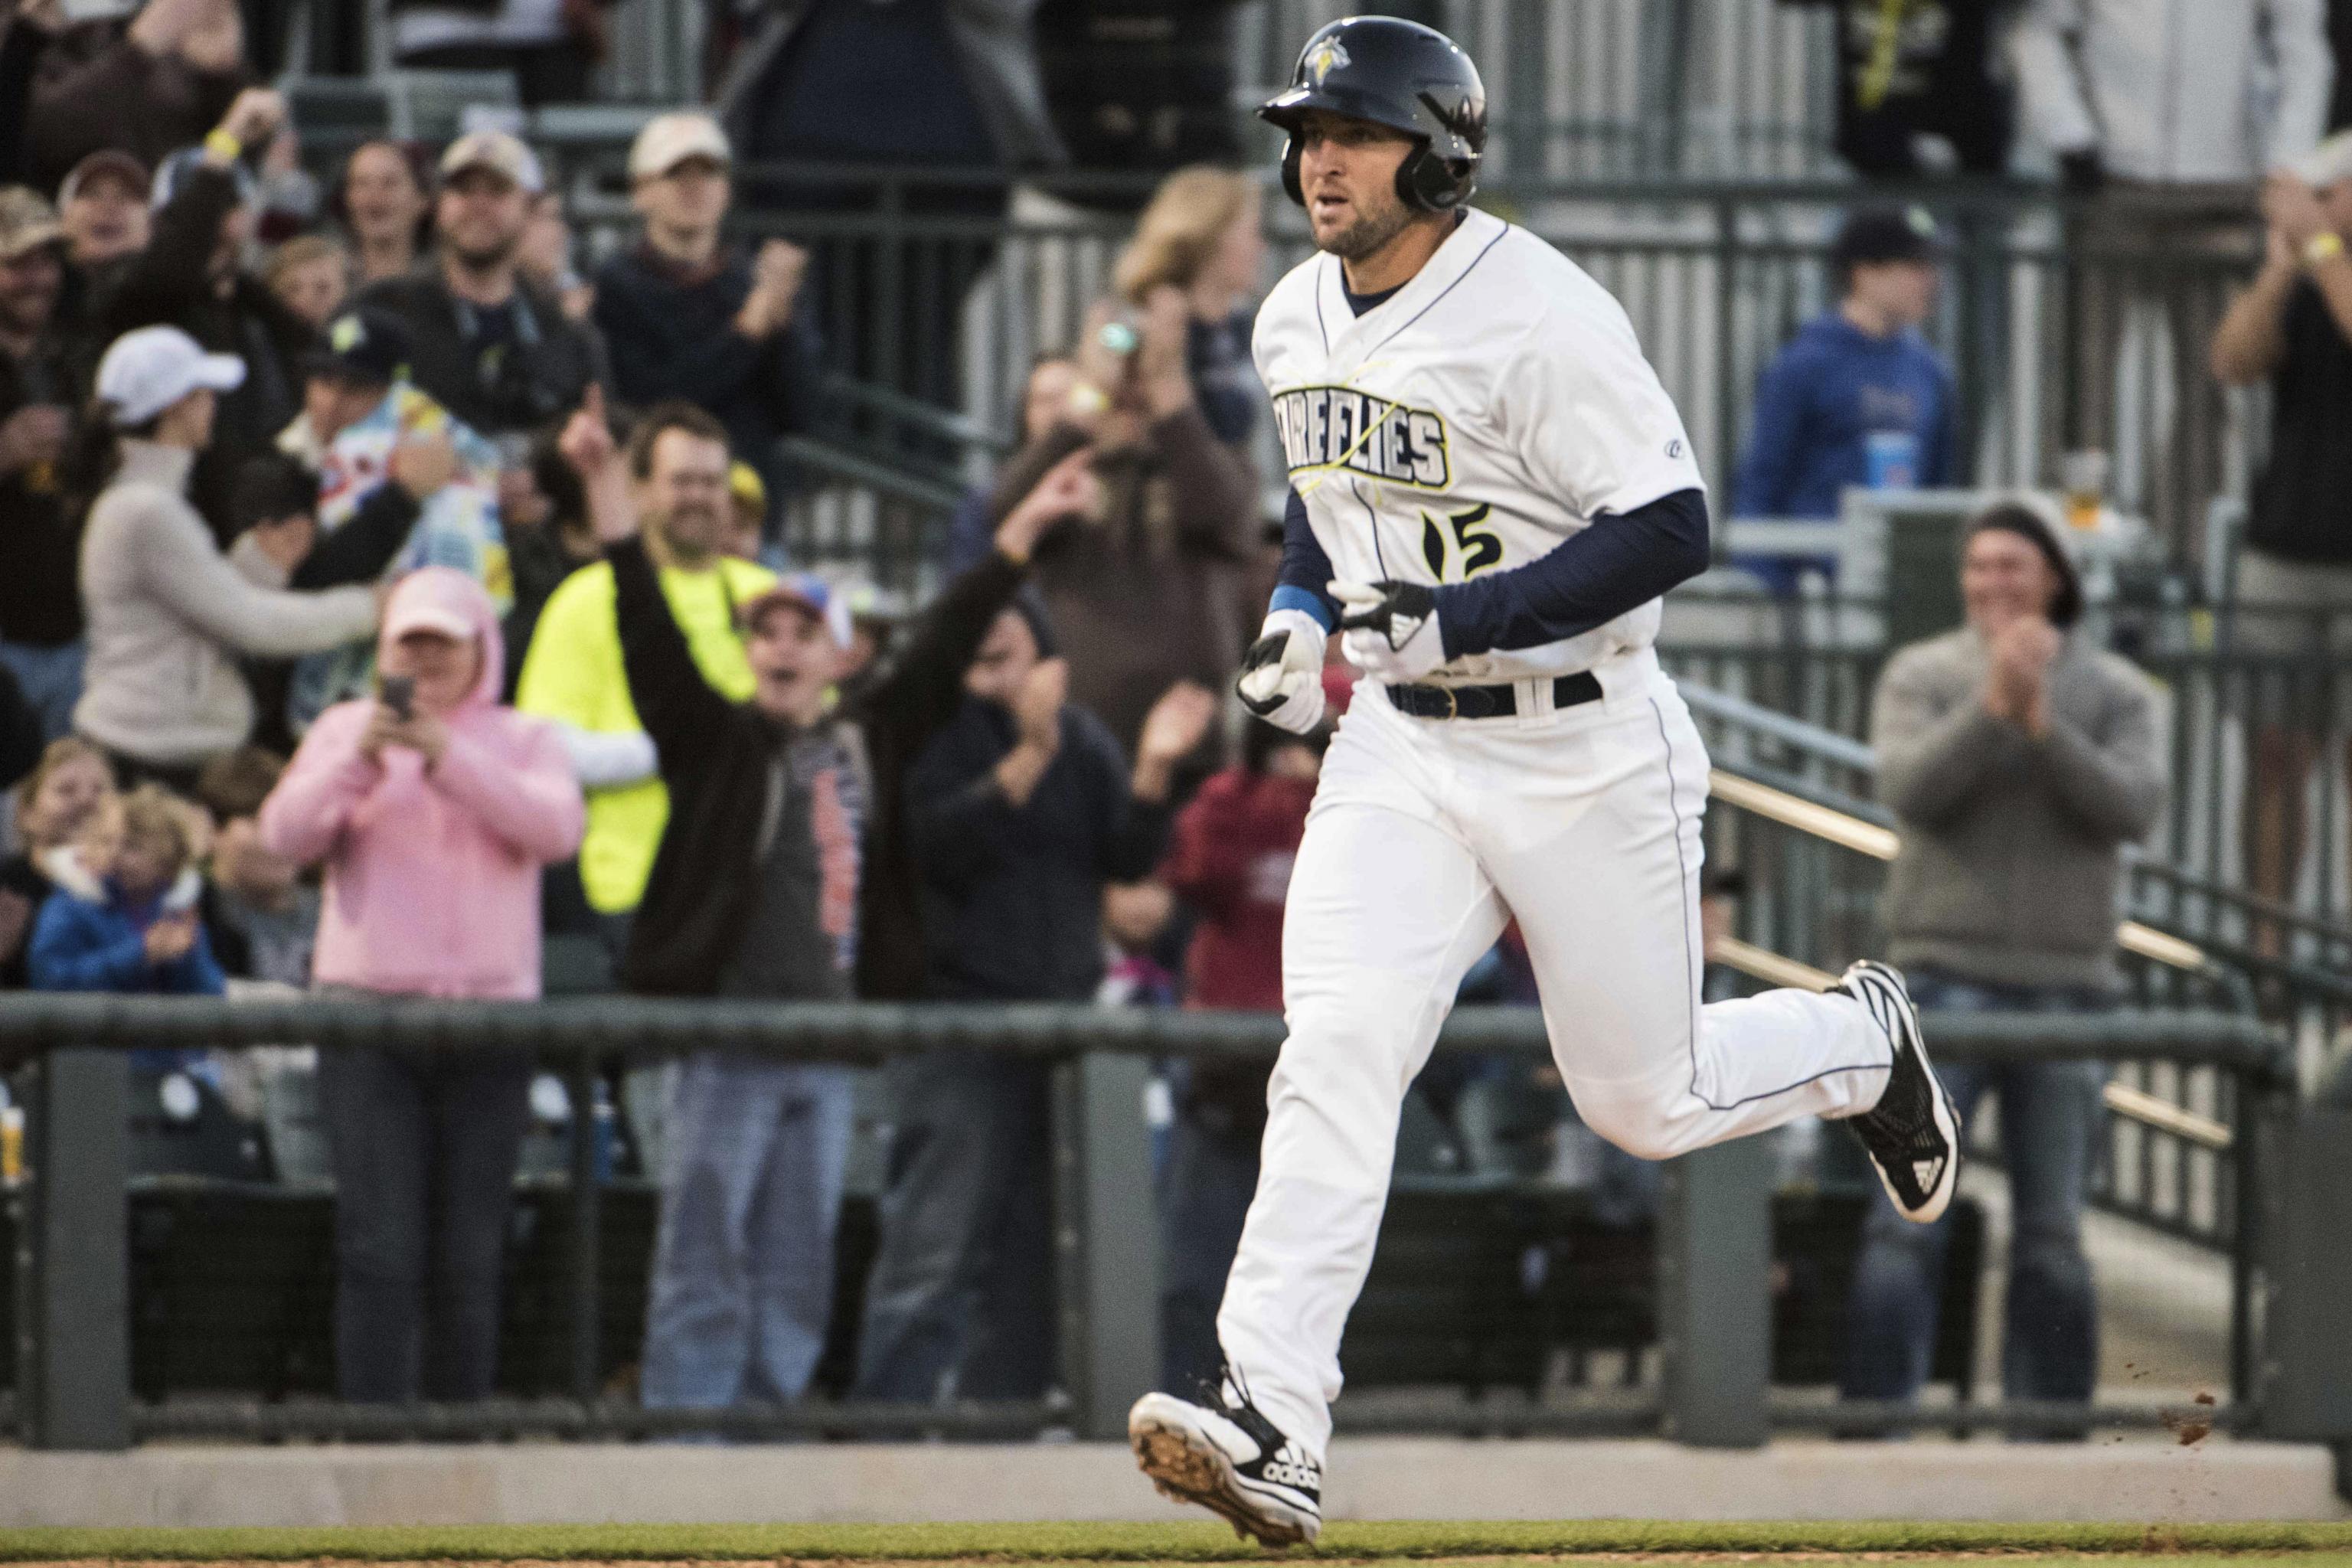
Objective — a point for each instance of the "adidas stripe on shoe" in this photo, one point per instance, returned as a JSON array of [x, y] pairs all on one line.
[[1228, 1458], [1913, 1133]]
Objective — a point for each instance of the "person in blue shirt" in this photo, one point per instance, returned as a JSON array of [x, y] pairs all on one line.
[[124, 917], [1856, 397]]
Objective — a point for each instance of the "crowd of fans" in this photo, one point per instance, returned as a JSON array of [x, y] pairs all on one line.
[[379, 595]]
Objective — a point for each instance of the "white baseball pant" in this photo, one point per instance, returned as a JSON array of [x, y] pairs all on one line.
[[1425, 836]]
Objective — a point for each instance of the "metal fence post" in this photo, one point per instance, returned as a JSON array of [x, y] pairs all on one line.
[[2258, 1116], [1714, 1260], [1725, 390], [77, 1382], [2306, 1338], [1106, 1241], [586, 1267]]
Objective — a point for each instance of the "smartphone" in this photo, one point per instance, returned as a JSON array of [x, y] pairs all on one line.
[[1118, 334], [400, 696]]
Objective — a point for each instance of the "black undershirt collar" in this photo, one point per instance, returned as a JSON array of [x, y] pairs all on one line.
[[1360, 303]]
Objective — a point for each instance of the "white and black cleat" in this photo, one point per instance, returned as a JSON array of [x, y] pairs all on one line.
[[1232, 1461], [1913, 1133]]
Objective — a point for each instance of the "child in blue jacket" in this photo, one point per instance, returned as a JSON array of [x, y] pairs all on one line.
[[124, 917]]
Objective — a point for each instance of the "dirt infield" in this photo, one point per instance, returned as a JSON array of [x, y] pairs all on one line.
[[2096, 1560], [1178, 1545]]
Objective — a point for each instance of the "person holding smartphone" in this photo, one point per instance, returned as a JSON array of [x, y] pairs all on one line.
[[1163, 398], [433, 806]]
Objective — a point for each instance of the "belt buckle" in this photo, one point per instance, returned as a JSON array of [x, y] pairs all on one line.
[[1452, 704]]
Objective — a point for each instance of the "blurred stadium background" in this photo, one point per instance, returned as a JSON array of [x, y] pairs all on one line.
[[1687, 152]]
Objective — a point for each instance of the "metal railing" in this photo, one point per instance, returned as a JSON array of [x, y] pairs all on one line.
[[2067, 325], [1613, 88], [2250, 861], [1714, 1264], [2167, 1134], [950, 310], [1676, 150], [1582, 88]]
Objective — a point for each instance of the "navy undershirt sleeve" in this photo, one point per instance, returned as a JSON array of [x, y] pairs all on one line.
[[1303, 582], [1622, 561]]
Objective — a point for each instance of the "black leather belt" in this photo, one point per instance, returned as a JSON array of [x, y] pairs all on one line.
[[1490, 701]]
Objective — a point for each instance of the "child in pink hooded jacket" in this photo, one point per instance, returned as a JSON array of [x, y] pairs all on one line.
[[432, 828]]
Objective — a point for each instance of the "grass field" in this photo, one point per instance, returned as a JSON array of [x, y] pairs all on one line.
[[1422, 1544]]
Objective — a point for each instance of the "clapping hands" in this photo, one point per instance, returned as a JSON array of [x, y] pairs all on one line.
[[2017, 687], [1176, 725], [777, 273]]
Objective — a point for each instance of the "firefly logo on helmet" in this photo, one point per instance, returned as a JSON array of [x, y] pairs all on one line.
[[1326, 56]]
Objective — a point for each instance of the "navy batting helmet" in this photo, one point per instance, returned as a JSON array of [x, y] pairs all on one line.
[[1401, 75]]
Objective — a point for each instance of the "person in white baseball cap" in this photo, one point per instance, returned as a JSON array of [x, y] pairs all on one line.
[[169, 618], [155, 371], [669, 139], [502, 152], [687, 316]]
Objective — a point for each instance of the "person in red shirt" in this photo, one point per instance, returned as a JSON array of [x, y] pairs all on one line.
[[1229, 859]]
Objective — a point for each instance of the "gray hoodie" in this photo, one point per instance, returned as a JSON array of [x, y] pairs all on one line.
[[168, 615], [2013, 845]]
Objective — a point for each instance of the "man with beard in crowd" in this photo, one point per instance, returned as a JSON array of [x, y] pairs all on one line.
[[573, 670], [492, 347]]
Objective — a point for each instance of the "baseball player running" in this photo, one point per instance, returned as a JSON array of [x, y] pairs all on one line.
[[1490, 491]]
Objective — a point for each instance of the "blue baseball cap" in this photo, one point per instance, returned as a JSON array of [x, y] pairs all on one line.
[[811, 595]]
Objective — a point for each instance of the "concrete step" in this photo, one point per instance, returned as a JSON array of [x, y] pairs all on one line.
[[2141, 1480]]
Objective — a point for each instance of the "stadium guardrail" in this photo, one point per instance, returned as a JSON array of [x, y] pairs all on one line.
[[2189, 943], [1716, 1224], [2249, 862], [1593, 86], [930, 287]]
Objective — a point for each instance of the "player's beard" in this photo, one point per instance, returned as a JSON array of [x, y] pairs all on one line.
[[1371, 230]]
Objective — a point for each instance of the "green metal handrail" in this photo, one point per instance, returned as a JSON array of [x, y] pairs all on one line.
[[873, 1031]]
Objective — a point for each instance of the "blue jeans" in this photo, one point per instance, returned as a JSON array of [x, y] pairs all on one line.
[[50, 678], [743, 1276], [2049, 1115], [960, 1303], [423, 1144]]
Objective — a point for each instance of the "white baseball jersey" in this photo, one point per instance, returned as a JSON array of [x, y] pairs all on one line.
[[1488, 409], [1476, 419]]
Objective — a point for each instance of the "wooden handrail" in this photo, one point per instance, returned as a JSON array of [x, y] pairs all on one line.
[[1849, 832]]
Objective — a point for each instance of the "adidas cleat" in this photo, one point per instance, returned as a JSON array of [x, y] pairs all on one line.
[[1913, 1133], [1232, 1461]]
